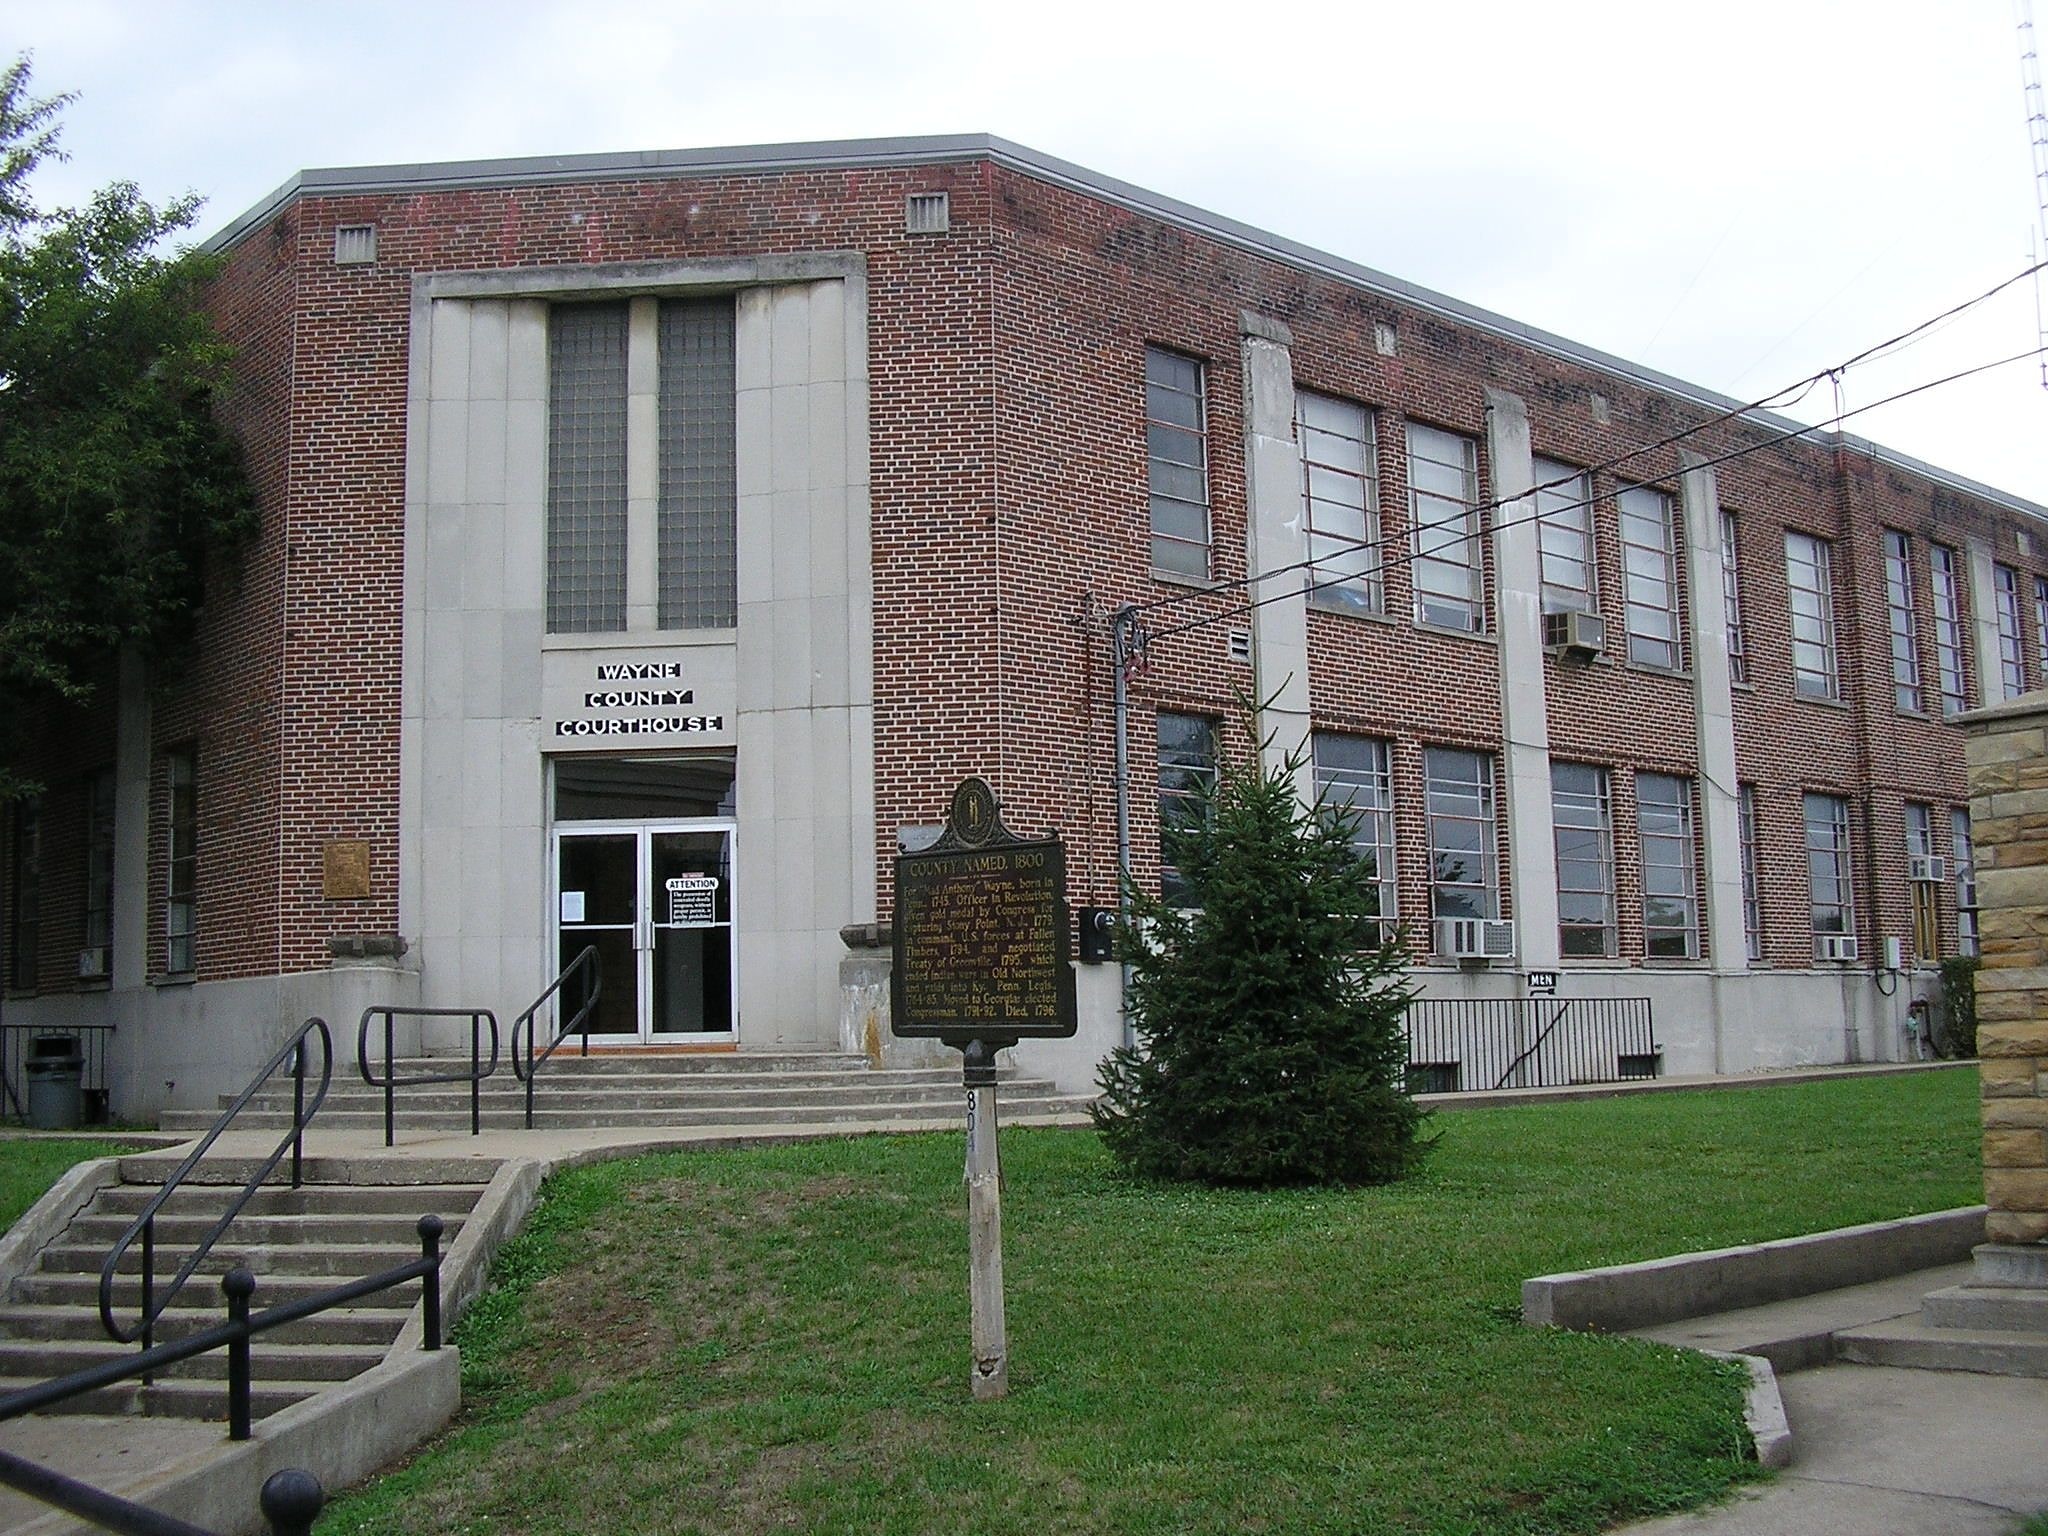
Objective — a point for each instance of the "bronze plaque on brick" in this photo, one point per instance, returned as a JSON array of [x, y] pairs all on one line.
[[345, 870], [981, 942]]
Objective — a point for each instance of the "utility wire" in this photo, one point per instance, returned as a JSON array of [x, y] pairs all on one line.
[[1408, 557], [1776, 399]]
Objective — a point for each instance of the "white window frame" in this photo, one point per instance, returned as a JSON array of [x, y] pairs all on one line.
[[2012, 658], [1964, 848], [1907, 692], [1582, 826], [1365, 792], [1340, 500], [1175, 554], [1446, 565], [1187, 774], [1564, 534], [1830, 867], [181, 863], [1452, 797], [1752, 895], [1664, 832], [1731, 593], [1649, 560], [1809, 582], [1951, 667]]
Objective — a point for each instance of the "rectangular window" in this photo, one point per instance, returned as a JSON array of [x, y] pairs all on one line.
[[586, 468], [1443, 525], [1752, 903], [99, 875], [2041, 624], [1579, 812], [1564, 507], [1809, 578], [1176, 447], [1948, 632], [1898, 597], [1731, 593], [2012, 660], [1829, 878], [696, 529], [181, 874], [1671, 907], [1926, 913], [25, 894], [1651, 576], [1458, 794], [1187, 778], [1966, 881], [1340, 498], [1354, 777]]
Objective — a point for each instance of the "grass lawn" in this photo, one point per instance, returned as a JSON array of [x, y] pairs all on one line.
[[776, 1339], [29, 1165]]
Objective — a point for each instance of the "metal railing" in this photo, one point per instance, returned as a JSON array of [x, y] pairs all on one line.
[[391, 1082], [291, 1499], [15, 1048], [1459, 1045], [579, 1025], [144, 1225]]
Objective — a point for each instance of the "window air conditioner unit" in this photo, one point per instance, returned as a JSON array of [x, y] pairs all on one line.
[[1926, 868], [1474, 938], [1838, 946], [1577, 634], [92, 964]]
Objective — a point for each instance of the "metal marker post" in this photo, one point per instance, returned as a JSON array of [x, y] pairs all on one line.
[[991, 1373]]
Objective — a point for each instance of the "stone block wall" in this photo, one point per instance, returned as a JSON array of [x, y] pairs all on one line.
[[2008, 767]]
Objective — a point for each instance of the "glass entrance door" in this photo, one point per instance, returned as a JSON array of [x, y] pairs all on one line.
[[656, 900]]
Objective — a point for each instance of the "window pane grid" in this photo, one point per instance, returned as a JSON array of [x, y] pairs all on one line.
[[1565, 536], [1458, 794], [1731, 594], [1808, 578], [25, 895], [1354, 778], [99, 867], [182, 871], [2041, 624], [1905, 627], [1671, 914], [1583, 825], [1752, 904], [1948, 633], [1829, 877], [1187, 777], [696, 533], [1966, 881], [1650, 581], [2012, 664], [1176, 437], [587, 468], [1341, 500], [1920, 845], [1443, 492]]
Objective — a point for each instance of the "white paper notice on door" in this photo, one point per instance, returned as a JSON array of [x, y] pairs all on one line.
[[692, 901], [572, 906]]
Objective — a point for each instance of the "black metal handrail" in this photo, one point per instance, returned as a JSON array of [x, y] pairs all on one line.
[[291, 1499], [144, 1225], [579, 1025], [392, 1082]]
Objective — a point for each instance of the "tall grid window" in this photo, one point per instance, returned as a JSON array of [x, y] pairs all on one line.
[[1187, 777], [1564, 508], [1830, 881], [1926, 915], [1948, 632], [1580, 813], [1650, 567], [2012, 661], [1443, 519], [697, 546], [1671, 907], [586, 468], [1905, 625], [1809, 578], [1340, 493], [1966, 880], [25, 894], [1752, 901], [1731, 594], [181, 874], [1354, 778], [1177, 457], [99, 871], [1458, 794], [2041, 624]]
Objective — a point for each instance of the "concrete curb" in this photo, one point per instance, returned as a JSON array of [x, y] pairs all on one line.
[[1763, 1411], [500, 1211], [39, 1225], [1728, 1279]]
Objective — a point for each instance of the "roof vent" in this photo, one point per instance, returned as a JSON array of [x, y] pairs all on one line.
[[927, 213], [355, 245]]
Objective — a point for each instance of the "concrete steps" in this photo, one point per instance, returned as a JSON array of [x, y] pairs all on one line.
[[1929, 1347], [733, 1090], [297, 1242]]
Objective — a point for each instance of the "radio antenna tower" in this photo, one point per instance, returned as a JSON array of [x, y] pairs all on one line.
[[2037, 136]]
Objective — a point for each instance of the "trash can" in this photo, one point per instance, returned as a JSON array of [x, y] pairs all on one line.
[[56, 1082]]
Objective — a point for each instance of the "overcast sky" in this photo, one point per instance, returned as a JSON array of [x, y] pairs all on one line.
[[1740, 194]]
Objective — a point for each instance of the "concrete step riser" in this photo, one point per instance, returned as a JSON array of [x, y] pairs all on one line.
[[946, 1109], [1987, 1307], [2007, 1356], [653, 1093], [267, 1362], [202, 1292], [374, 1330], [332, 1260], [206, 1201], [169, 1397], [264, 1231]]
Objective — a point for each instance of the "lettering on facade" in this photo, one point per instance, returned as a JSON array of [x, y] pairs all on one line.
[[641, 725], [639, 672], [640, 698]]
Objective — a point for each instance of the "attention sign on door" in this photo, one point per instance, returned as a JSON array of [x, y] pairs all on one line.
[[692, 901]]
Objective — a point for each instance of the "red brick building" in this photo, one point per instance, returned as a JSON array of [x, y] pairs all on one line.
[[651, 541]]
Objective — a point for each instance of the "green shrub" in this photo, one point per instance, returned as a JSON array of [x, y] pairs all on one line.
[[1959, 1003], [1268, 1010]]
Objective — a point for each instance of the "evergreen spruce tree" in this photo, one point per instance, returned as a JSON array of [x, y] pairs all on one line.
[[1267, 1008]]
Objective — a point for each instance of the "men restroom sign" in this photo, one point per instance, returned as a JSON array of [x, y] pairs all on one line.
[[692, 901]]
